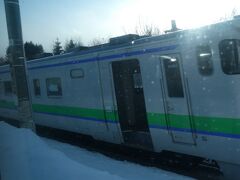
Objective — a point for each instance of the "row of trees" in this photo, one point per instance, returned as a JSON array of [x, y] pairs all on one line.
[[33, 51], [69, 45]]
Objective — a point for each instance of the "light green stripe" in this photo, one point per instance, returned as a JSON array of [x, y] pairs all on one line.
[[7, 104], [156, 119], [210, 124], [177, 121], [214, 124], [74, 111]]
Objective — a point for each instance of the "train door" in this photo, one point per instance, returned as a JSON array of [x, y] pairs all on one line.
[[176, 100], [108, 101], [131, 104]]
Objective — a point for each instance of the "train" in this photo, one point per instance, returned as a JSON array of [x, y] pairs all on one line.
[[176, 92]]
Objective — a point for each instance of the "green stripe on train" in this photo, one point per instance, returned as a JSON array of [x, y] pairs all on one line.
[[210, 124], [7, 104], [73, 111], [201, 123]]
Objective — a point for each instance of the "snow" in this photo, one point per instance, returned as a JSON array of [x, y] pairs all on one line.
[[25, 156]]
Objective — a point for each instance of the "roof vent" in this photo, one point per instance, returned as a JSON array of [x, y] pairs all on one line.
[[123, 39], [174, 27]]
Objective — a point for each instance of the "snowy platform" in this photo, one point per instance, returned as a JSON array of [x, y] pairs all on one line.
[[25, 156]]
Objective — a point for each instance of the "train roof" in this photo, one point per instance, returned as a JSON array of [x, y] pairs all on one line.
[[137, 40], [131, 40]]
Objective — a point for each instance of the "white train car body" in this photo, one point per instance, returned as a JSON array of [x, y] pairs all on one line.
[[177, 92]]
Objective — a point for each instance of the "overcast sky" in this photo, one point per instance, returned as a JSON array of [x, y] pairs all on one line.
[[45, 20]]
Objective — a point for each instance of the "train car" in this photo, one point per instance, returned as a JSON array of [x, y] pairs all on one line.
[[177, 92]]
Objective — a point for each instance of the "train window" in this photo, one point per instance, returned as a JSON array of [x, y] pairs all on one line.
[[137, 80], [8, 87], [37, 88], [204, 58], [77, 73], [230, 56], [173, 77], [54, 87]]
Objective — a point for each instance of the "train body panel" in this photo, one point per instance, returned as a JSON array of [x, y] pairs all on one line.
[[8, 101], [81, 107], [173, 92]]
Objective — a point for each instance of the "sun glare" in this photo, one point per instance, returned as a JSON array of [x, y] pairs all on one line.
[[187, 13]]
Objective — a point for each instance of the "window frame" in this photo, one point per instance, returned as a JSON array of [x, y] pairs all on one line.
[[77, 77], [174, 90], [60, 91], [34, 87], [201, 62], [137, 80], [224, 67]]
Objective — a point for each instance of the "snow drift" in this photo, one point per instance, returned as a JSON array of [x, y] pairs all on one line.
[[24, 156]]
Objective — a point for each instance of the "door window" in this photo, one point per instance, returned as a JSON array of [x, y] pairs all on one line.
[[37, 88], [137, 80], [173, 77], [204, 58]]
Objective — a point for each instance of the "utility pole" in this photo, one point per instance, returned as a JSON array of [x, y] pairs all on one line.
[[17, 64]]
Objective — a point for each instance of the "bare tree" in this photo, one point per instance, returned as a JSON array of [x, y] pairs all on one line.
[[229, 16], [97, 41], [146, 29]]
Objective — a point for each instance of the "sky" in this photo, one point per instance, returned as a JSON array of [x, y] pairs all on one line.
[[45, 20]]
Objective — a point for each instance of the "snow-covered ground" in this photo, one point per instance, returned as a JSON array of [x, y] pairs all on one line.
[[25, 156]]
